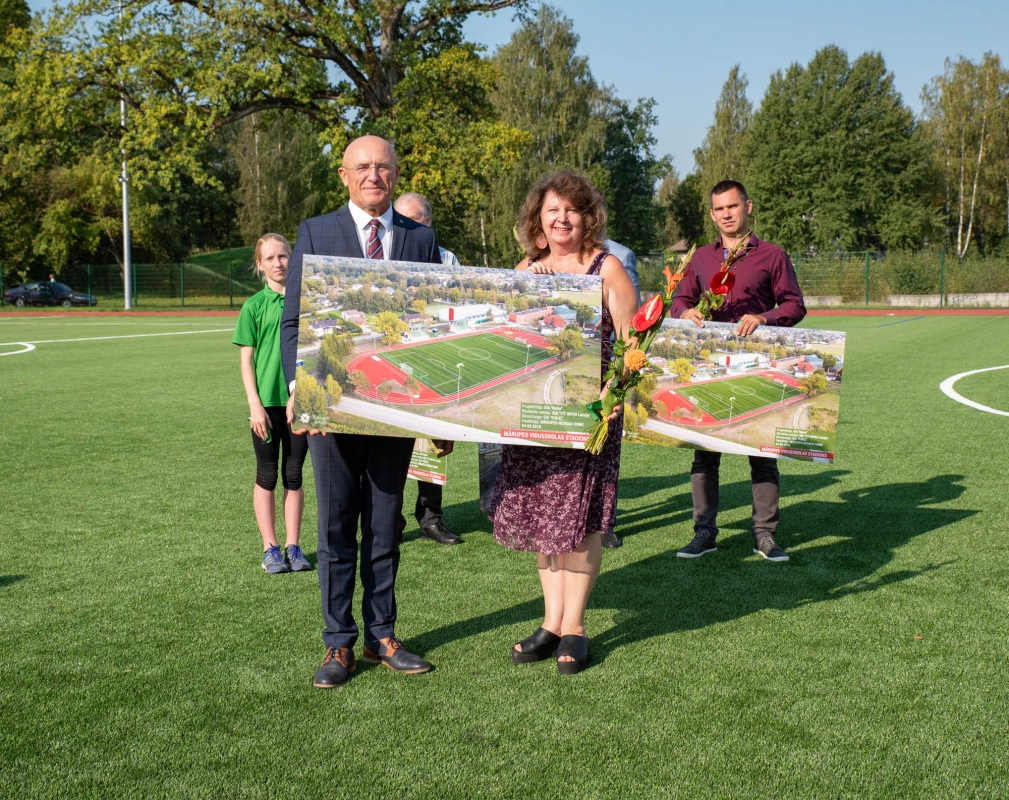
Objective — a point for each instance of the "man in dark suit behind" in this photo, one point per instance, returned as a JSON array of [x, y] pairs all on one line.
[[358, 477]]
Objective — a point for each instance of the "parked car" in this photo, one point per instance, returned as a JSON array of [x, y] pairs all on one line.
[[47, 293]]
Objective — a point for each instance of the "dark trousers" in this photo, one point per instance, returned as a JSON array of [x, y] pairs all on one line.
[[359, 477], [428, 509], [704, 490]]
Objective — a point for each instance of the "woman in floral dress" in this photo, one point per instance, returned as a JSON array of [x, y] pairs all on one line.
[[551, 501]]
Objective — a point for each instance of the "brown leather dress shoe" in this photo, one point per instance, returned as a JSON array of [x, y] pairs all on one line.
[[390, 651], [335, 669]]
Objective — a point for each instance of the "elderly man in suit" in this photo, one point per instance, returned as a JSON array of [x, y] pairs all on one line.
[[358, 477]]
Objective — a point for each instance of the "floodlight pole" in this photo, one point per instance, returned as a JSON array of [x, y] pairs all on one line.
[[458, 382], [124, 179], [730, 409], [528, 345]]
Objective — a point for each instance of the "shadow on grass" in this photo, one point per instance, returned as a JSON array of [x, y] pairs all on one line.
[[8, 580], [664, 594]]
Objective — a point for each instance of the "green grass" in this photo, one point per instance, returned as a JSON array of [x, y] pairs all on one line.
[[747, 393], [485, 356], [146, 655], [222, 259]]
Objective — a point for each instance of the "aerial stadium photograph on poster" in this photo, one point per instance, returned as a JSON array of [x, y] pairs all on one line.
[[774, 393], [398, 348]]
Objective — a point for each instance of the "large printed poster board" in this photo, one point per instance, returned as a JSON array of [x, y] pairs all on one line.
[[506, 357], [398, 348], [774, 393]]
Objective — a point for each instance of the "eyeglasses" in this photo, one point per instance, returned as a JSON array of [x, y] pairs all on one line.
[[385, 170]]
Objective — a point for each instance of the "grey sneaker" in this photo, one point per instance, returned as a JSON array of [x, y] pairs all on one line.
[[768, 548], [274, 561], [610, 539], [702, 544], [296, 558]]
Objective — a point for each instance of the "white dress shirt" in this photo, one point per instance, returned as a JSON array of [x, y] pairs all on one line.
[[362, 221]]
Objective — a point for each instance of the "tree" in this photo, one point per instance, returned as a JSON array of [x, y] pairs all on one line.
[[642, 414], [686, 207], [419, 306], [305, 333], [282, 173], [360, 381], [333, 352], [345, 66], [829, 361], [334, 391], [632, 170], [548, 91], [390, 326], [584, 314], [13, 14], [705, 354], [309, 400], [567, 344], [966, 121], [411, 386], [834, 160], [720, 156], [450, 142], [630, 421], [661, 409], [669, 232], [814, 384], [683, 370], [384, 390]]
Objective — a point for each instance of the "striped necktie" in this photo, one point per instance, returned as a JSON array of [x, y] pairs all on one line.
[[374, 242]]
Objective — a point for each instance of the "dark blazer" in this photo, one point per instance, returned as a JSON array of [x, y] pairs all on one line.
[[334, 234]]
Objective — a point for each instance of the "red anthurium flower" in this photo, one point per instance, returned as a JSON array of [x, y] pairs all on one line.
[[648, 314], [722, 282]]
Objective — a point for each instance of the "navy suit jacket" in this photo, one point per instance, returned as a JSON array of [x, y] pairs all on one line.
[[334, 234]]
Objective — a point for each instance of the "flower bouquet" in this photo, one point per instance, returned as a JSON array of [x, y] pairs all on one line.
[[629, 357], [723, 280]]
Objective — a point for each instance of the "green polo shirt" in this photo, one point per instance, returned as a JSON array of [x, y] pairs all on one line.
[[259, 327]]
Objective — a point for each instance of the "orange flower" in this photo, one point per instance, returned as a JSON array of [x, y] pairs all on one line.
[[635, 360]]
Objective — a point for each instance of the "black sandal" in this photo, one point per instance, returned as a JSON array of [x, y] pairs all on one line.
[[577, 647], [537, 647]]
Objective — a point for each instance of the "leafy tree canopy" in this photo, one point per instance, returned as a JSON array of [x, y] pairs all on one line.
[[834, 159]]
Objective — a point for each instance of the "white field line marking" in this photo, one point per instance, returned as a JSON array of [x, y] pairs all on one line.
[[947, 389], [125, 336], [26, 348]]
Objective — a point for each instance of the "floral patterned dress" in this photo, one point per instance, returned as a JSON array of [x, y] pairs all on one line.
[[547, 499]]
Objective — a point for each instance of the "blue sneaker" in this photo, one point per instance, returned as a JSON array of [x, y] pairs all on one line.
[[296, 558], [274, 561]]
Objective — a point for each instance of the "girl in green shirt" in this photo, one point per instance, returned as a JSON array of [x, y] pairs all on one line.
[[258, 336]]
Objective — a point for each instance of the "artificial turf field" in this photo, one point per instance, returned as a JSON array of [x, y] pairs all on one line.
[[747, 393], [485, 356], [145, 654]]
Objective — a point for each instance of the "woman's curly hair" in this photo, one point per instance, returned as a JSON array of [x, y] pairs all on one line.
[[577, 190]]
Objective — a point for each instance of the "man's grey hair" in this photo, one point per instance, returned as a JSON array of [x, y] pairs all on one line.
[[420, 200]]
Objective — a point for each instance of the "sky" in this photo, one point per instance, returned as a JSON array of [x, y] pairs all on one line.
[[680, 53]]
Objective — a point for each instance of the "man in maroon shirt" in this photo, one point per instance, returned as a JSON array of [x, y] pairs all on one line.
[[765, 292]]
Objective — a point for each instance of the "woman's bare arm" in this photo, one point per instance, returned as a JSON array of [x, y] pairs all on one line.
[[619, 294]]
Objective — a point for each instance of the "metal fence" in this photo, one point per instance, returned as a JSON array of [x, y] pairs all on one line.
[[922, 279], [162, 285]]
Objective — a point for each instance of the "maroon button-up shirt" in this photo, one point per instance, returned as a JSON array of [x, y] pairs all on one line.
[[765, 285]]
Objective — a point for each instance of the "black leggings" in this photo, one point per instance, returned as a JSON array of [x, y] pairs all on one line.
[[295, 448]]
